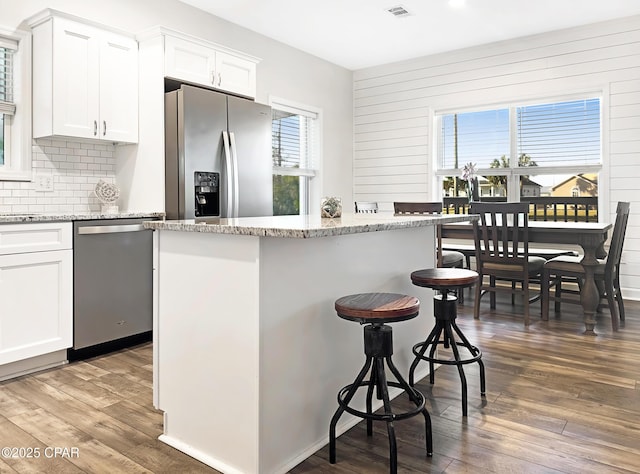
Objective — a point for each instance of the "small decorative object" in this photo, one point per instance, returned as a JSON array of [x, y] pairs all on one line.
[[331, 207], [107, 194], [469, 175]]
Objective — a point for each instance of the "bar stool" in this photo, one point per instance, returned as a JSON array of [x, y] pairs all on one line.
[[374, 310], [445, 280]]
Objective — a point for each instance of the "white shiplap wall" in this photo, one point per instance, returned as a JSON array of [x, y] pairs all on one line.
[[394, 106]]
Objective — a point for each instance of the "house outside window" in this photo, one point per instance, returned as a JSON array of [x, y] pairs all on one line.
[[15, 105], [295, 155], [523, 150]]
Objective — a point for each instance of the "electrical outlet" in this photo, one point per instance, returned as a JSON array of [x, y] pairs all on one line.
[[44, 183]]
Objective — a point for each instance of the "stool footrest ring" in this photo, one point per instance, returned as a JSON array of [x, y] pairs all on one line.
[[474, 358], [419, 401]]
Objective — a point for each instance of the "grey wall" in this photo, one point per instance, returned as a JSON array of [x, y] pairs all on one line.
[[283, 72]]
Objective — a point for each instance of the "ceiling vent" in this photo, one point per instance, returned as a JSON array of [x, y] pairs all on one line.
[[399, 11]]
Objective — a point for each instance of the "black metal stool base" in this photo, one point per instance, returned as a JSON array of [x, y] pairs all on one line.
[[445, 311], [378, 349]]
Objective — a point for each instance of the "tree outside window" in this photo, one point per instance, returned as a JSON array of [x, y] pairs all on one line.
[[527, 150]]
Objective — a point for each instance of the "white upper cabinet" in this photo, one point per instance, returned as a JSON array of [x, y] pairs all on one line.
[[188, 61], [85, 81], [210, 65]]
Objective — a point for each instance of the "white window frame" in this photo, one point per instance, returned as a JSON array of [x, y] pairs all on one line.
[[17, 166], [514, 172], [311, 186]]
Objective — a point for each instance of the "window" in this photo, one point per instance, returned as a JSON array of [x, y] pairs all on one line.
[[295, 150], [7, 106], [15, 106], [528, 150]]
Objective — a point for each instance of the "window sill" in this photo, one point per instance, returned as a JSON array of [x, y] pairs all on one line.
[[17, 175]]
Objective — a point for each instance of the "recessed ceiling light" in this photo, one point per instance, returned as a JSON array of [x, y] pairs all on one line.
[[457, 3]]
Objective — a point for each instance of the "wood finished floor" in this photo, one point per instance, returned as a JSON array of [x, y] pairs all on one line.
[[557, 401]]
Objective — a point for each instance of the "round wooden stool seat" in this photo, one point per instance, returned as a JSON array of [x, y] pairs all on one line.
[[374, 310], [439, 278], [377, 307], [446, 332]]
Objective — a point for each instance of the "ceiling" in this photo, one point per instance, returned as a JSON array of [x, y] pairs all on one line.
[[360, 33]]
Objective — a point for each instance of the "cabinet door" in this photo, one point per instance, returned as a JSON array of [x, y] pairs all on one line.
[[76, 79], [118, 89], [235, 74], [188, 61], [36, 301]]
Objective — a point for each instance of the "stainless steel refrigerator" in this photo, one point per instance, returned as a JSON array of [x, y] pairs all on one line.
[[217, 155]]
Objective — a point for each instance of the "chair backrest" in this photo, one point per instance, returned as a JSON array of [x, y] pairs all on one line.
[[617, 237], [502, 236], [368, 207], [404, 208]]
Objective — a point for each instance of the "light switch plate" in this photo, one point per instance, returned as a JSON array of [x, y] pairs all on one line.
[[44, 183]]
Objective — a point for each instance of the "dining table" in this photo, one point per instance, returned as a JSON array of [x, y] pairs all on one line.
[[591, 236]]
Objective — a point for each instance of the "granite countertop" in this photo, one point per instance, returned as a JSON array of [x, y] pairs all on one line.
[[25, 217], [303, 227]]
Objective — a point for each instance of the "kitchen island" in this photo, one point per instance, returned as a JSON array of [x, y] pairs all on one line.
[[249, 353]]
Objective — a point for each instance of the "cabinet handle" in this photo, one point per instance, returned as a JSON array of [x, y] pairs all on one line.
[[95, 128], [219, 79], [213, 78], [104, 128]]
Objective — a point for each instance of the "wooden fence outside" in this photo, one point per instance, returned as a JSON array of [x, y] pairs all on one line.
[[544, 208]]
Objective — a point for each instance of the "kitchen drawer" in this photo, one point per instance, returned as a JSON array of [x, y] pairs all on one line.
[[37, 237]]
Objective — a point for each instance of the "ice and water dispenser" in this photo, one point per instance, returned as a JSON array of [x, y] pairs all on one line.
[[207, 193]]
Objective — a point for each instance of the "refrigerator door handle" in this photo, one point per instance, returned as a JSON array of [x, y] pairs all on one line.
[[229, 174], [236, 184]]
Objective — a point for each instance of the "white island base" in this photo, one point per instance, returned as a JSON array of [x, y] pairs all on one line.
[[249, 352]]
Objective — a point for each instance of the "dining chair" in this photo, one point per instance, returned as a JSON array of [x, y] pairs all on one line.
[[567, 269], [501, 237], [366, 207], [445, 258]]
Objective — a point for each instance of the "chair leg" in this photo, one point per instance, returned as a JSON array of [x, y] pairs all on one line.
[[612, 305], [492, 295], [525, 289], [433, 336], [544, 290], [418, 399], [386, 403], [476, 301], [341, 409], [473, 350], [463, 378], [616, 286], [558, 293]]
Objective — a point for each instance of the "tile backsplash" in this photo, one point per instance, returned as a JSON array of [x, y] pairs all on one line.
[[70, 171]]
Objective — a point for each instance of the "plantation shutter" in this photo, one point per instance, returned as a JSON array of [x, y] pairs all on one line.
[[7, 48]]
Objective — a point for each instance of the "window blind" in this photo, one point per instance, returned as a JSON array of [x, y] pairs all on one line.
[[293, 141], [7, 49], [561, 133]]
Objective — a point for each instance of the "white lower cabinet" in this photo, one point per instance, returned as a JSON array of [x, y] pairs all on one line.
[[36, 290]]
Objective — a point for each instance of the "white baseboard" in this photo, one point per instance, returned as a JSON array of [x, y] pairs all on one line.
[[631, 294]]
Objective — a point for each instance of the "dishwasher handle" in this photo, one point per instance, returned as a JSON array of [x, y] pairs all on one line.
[[110, 229]]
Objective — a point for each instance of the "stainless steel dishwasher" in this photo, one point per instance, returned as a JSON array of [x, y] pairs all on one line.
[[112, 285]]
